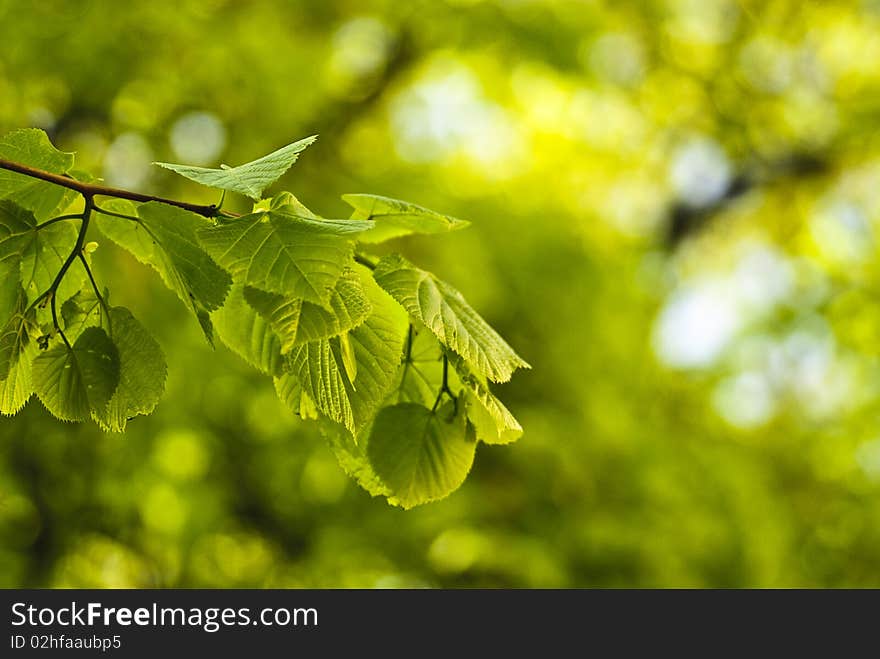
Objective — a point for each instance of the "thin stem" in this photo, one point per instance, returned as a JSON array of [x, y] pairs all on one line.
[[444, 389], [77, 249], [60, 218], [91, 190], [102, 211], [363, 260], [85, 263], [407, 360]]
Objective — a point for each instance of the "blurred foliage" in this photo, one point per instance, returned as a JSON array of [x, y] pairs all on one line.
[[675, 206]]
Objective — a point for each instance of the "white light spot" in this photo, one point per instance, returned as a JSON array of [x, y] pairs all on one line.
[[745, 400], [618, 57], [697, 324], [361, 46], [700, 172], [127, 161], [198, 138]]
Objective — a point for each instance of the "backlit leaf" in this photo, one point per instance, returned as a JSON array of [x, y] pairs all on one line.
[[419, 454], [75, 382], [278, 252], [249, 179], [453, 321], [393, 218]]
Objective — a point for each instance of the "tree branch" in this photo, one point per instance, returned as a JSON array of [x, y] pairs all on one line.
[[91, 190]]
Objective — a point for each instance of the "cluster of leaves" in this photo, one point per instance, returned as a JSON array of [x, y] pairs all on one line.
[[393, 361]]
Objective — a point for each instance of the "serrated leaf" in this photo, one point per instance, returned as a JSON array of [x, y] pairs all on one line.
[[165, 238], [31, 146], [127, 233], [352, 457], [39, 253], [247, 334], [445, 312], [43, 259], [297, 322], [377, 346], [419, 454], [80, 311], [278, 252], [9, 293], [349, 361], [17, 230], [142, 372], [249, 179], [394, 218], [287, 202], [492, 421], [421, 376], [291, 393], [193, 273], [75, 382], [17, 352]]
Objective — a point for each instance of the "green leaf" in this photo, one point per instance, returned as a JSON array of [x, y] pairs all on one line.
[[127, 233], [492, 421], [420, 455], [453, 321], [75, 382], [376, 345], [17, 231], [192, 273], [17, 351], [394, 218], [39, 253], [247, 334], [165, 238], [278, 252], [31, 146], [81, 311], [249, 179], [44, 257], [9, 293], [349, 361], [291, 393], [421, 377], [351, 455], [297, 322], [142, 371]]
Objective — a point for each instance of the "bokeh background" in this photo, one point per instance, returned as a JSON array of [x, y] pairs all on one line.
[[675, 209]]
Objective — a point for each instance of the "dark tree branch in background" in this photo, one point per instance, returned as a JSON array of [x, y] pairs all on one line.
[[684, 219]]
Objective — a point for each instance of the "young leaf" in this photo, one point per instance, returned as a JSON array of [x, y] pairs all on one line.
[[249, 179], [40, 253], [193, 273], [278, 252], [394, 218], [43, 259], [376, 346], [31, 146], [492, 421], [81, 311], [17, 229], [446, 313], [351, 454], [165, 238], [247, 334], [17, 351], [142, 371], [9, 293], [420, 454], [290, 392], [75, 382], [297, 322]]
